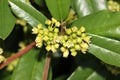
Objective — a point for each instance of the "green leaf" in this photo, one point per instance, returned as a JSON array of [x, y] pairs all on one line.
[[106, 49], [29, 67], [87, 67], [27, 12], [7, 20], [85, 74], [103, 23], [41, 3], [59, 9], [98, 5], [86, 7]]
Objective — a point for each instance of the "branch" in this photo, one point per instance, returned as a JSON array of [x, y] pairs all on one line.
[[17, 55], [46, 68]]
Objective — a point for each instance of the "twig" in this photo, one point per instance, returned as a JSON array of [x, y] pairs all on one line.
[[17, 55], [46, 68]]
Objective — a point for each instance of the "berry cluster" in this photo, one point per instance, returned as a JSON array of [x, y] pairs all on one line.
[[72, 41]]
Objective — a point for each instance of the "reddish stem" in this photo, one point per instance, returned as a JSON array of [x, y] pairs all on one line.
[[46, 68], [17, 55]]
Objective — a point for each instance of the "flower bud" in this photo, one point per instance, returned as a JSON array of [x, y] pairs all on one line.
[[54, 20], [79, 33], [74, 35], [38, 39], [45, 38], [48, 47], [2, 58], [39, 44], [53, 49], [84, 45], [35, 30], [65, 37], [50, 34], [74, 29], [50, 28], [56, 45], [57, 24], [74, 53], [82, 29], [48, 22], [56, 30], [62, 49], [66, 53], [40, 26], [68, 31], [1, 50], [87, 39], [77, 47], [79, 40]]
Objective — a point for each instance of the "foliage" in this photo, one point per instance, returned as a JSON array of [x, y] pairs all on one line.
[[99, 17]]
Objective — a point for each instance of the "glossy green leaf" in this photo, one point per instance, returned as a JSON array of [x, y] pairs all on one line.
[[27, 12], [41, 3], [98, 5], [85, 74], [87, 67], [86, 7], [106, 49], [7, 20], [29, 66], [103, 23], [82, 7], [59, 9]]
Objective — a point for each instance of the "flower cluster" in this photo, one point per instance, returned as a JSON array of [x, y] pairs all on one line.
[[2, 58], [72, 41], [113, 5]]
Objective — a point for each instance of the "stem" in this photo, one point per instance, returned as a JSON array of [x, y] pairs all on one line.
[[63, 26], [46, 68], [17, 55]]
